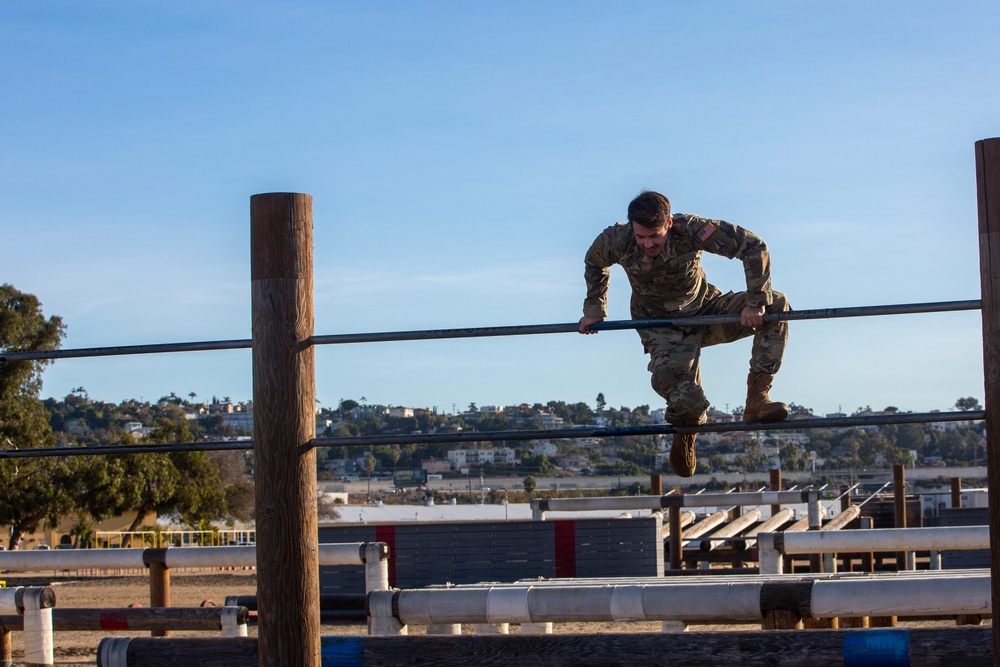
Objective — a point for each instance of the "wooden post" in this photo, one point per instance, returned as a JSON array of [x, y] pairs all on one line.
[[775, 486], [899, 493], [6, 655], [815, 523], [655, 484], [956, 492], [159, 582], [284, 392], [988, 195], [676, 544]]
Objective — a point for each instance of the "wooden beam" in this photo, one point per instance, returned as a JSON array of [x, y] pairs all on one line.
[[988, 195], [924, 647], [284, 392]]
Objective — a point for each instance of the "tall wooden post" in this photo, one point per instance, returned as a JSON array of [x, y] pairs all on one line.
[[988, 194], [284, 392], [775, 485], [676, 532], [956, 492], [899, 495]]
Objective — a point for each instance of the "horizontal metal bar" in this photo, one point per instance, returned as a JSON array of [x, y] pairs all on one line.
[[658, 429], [573, 327], [515, 330], [544, 434], [158, 348], [116, 450]]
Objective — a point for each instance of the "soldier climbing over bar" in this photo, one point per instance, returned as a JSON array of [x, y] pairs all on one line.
[[660, 253]]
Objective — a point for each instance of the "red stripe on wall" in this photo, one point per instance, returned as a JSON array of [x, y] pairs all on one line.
[[565, 548], [387, 534]]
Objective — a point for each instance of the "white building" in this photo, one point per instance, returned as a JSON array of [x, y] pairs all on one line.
[[463, 458]]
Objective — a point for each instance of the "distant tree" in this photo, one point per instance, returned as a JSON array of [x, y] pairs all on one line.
[[601, 403], [536, 463], [195, 487], [346, 405], [31, 492], [580, 413], [326, 509], [795, 411], [966, 404], [530, 484]]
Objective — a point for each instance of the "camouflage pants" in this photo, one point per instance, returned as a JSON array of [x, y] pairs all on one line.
[[674, 354]]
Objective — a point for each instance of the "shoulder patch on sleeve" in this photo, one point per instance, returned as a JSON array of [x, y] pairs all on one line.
[[706, 232]]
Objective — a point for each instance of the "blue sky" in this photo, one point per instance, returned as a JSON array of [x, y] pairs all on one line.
[[463, 156]]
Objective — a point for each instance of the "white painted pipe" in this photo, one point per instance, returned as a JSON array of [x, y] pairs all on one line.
[[381, 621], [38, 644], [246, 556], [799, 526], [705, 602], [231, 626], [848, 515], [687, 518], [613, 503], [705, 525], [697, 579], [731, 529], [376, 567], [702, 602], [903, 596], [684, 500], [71, 559], [888, 539], [241, 556], [742, 498], [231, 556], [779, 519], [8, 601]]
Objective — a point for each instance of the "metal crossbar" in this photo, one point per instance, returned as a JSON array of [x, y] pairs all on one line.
[[515, 330], [545, 434]]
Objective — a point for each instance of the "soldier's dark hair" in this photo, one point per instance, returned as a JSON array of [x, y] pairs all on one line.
[[649, 209]]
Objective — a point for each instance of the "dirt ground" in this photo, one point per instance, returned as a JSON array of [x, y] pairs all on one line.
[[191, 590]]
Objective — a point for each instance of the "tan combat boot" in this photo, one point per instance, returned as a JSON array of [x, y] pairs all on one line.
[[759, 407], [682, 458]]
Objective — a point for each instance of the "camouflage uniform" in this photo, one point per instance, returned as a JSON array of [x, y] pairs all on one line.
[[672, 284]]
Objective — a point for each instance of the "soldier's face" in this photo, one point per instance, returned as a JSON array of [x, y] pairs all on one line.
[[652, 241]]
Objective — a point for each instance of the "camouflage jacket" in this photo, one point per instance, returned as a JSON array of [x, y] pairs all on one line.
[[673, 282]]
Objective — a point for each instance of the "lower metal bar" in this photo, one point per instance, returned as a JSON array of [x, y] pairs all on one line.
[[476, 436]]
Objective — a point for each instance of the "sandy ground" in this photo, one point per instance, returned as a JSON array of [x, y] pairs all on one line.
[[191, 590]]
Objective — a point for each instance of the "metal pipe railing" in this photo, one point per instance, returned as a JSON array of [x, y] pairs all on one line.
[[514, 330], [485, 436]]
